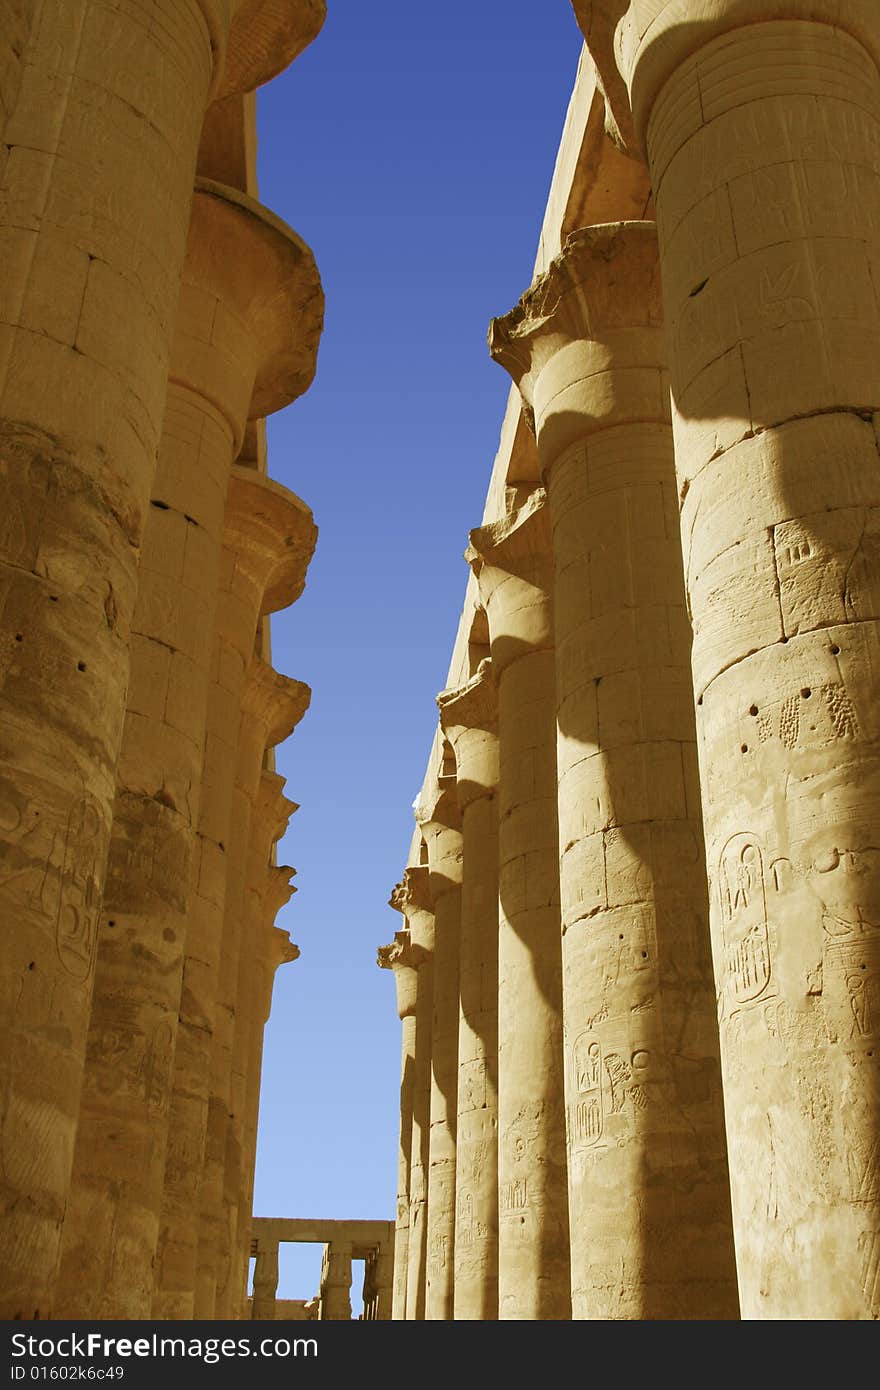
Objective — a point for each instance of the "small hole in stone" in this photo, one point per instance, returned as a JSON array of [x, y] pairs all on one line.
[[744, 748], [111, 923], [783, 640], [835, 650], [753, 710], [620, 938], [863, 967], [163, 506], [700, 701], [18, 637], [32, 965], [644, 955], [806, 692], [80, 665], [53, 598], [222, 846]]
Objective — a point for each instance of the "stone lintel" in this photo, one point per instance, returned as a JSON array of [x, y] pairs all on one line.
[[598, 20], [361, 1235], [272, 532], [275, 701], [604, 283], [251, 307], [265, 38]]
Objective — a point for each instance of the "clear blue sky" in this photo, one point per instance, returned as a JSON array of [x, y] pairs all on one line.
[[412, 147]]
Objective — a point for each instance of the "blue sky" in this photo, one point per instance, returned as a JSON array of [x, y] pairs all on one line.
[[412, 147]]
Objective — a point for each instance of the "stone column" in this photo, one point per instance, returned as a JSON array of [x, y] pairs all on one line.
[[440, 829], [512, 561], [265, 1280], [402, 959], [336, 1282], [269, 536], [469, 718], [268, 889], [272, 706], [649, 1200], [99, 139], [412, 897], [767, 195], [248, 326], [382, 1268]]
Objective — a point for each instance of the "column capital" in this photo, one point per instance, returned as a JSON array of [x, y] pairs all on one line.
[[272, 533], [404, 959], [585, 344], [637, 45], [413, 898], [272, 809], [512, 560], [265, 37], [251, 308], [274, 701], [281, 950], [439, 808], [473, 705], [469, 718], [278, 890]]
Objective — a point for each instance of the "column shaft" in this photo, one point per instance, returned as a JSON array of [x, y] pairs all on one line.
[[469, 716], [766, 204], [444, 858], [512, 560], [107, 111], [651, 1233]]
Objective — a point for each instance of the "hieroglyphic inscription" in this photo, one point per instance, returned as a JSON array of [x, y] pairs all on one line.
[[745, 925]]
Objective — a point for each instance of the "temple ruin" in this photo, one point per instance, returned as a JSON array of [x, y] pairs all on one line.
[[638, 965]]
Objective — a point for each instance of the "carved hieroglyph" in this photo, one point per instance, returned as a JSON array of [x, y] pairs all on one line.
[[248, 327], [768, 208], [651, 1232], [469, 718], [513, 564], [101, 121]]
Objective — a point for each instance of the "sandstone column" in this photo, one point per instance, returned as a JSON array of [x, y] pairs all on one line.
[[412, 897], [272, 705], [269, 536], [402, 959], [441, 834], [248, 327], [649, 1201], [98, 154], [265, 1280], [469, 718], [767, 190], [512, 561], [268, 889], [336, 1282]]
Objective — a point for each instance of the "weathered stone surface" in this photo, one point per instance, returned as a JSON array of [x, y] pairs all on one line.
[[469, 718], [513, 563], [651, 1232], [412, 898], [400, 956], [768, 246], [92, 236]]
